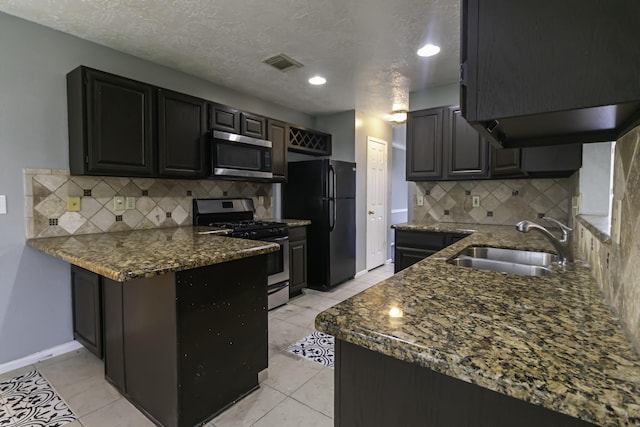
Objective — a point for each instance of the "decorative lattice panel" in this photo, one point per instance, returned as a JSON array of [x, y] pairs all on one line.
[[309, 142]]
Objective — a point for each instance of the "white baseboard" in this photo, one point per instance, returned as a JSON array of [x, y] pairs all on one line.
[[360, 273], [40, 356]]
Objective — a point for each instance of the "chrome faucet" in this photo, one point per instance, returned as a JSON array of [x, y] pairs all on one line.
[[562, 245]]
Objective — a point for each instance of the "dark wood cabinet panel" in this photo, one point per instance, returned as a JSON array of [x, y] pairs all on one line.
[[505, 162], [278, 134], [531, 79], [253, 125], [466, 152], [412, 246], [376, 390], [224, 118], [424, 144], [182, 128], [297, 260], [406, 257], [86, 293], [309, 141], [555, 158], [110, 124]]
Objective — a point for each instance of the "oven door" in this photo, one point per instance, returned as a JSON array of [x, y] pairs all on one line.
[[278, 262]]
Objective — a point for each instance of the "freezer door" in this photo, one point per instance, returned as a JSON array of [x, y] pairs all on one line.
[[342, 242], [344, 185]]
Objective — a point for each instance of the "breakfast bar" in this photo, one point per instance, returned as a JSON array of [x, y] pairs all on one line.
[[185, 315]]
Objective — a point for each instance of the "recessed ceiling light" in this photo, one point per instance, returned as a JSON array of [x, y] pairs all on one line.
[[317, 80], [428, 50]]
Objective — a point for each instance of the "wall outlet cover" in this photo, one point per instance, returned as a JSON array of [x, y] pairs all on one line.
[[3, 205], [475, 201], [73, 204], [130, 202], [420, 200]]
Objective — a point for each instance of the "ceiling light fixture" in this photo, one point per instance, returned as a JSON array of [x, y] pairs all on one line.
[[398, 116], [428, 50], [317, 80]]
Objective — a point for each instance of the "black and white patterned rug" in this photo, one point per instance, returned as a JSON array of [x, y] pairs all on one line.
[[318, 347], [29, 401]]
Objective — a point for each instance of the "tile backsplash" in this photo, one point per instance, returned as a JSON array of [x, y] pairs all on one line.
[[616, 267], [158, 202], [501, 201]]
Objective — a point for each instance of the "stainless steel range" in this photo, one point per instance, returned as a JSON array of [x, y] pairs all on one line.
[[238, 216]]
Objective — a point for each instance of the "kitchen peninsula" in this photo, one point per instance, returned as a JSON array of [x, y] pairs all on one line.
[[185, 315], [438, 344]]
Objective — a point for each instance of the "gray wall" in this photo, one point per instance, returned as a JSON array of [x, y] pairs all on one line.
[[341, 126], [35, 311], [434, 97], [595, 179], [399, 185]]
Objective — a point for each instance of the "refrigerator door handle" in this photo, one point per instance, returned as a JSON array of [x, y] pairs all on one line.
[[332, 182], [332, 214]]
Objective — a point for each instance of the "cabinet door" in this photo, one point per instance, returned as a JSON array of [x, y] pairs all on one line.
[[424, 145], [252, 125], [467, 152], [224, 118], [119, 130], [182, 129], [406, 257], [278, 134], [554, 158], [505, 162], [87, 309], [297, 267]]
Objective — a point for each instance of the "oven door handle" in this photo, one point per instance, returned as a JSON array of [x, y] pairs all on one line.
[[277, 287], [279, 239]]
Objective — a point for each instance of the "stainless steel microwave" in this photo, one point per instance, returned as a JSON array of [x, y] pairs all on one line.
[[240, 156]]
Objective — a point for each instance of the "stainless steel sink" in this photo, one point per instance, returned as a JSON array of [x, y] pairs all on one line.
[[542, 259], [500, 266]]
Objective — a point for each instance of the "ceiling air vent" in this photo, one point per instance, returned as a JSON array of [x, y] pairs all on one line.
[[282, 62]]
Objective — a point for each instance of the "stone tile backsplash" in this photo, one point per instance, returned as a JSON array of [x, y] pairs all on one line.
[[502, 202], [616, 267], [158, 202]]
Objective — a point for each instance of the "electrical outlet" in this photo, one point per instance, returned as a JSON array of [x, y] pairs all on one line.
[[261, 200], [475, 201], [420, 200], [118, 203], [130, 202], [3, 205], [616, 219], [73, 204]]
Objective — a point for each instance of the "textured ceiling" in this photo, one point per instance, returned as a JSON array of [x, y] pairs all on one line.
[[365, 48]]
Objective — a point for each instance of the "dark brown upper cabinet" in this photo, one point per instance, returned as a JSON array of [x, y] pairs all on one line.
[[442, 146], [224, 118], [466, 152], [548, 73], [553, 161], [505, 162], [182, 131], [110, 120], [278, 134], [424, 144], [309, 141], [253, 125]]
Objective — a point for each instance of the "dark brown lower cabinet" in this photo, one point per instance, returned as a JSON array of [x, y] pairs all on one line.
[[86, 295], [413, 246], [297, 260], [183, 346], [375, 390]]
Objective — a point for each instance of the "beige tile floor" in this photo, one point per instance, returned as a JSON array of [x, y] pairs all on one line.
[[297, 391]]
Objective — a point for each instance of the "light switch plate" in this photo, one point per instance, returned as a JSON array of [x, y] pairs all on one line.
[[73, 203], [118, 203], [420, 200], [3, 205], [130, 202], [616, 220]]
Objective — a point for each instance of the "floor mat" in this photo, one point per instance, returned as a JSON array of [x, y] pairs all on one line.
[[318, 347], [29, 400]]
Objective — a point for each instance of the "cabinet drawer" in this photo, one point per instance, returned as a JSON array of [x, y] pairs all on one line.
[[420, 239]]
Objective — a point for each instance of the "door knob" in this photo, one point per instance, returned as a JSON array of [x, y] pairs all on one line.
[[371, 212]]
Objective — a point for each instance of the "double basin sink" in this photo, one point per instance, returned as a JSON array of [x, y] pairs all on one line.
[[513, 261]]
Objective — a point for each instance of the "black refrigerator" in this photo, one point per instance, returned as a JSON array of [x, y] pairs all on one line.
[[324, 192]]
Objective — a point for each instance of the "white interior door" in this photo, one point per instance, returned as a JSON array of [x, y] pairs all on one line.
[[376, 202]]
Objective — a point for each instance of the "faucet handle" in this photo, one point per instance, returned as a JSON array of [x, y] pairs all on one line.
[[565, 230]]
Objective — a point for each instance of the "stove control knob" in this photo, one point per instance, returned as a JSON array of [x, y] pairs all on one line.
[[253, 234], [245, 234]]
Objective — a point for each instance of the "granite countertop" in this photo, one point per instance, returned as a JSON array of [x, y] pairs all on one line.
[[292, 223], [550, 341], [127, 255]]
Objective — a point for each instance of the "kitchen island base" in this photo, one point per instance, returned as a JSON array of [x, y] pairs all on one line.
[[373, 389], [183, 346]]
